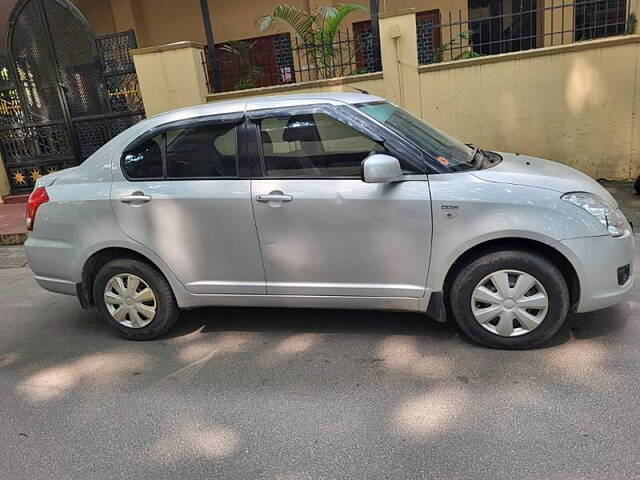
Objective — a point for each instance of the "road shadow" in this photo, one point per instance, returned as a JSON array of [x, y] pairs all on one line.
[[603, 323], [294, 320]]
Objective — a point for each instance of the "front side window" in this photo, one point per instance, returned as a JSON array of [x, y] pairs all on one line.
[[441, 146], [202, 151], [313, 144], [144, 160]]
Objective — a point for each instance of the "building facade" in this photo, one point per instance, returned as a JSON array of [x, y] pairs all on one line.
[[39, 135], [473, 27]]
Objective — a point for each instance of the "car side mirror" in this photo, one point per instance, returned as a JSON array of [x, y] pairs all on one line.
[[380, 168]]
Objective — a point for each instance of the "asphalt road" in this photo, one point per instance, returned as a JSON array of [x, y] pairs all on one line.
[[294, 394]]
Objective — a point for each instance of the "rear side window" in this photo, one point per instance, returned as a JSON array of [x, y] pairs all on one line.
[[144, 160], [203, 151]]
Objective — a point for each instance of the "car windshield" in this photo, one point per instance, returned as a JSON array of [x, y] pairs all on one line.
[[441, 146]]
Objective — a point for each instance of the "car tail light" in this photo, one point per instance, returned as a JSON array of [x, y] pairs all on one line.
[[37, 198]]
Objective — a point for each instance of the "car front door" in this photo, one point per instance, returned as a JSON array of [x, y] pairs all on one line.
[[182, 196], [322, 230]]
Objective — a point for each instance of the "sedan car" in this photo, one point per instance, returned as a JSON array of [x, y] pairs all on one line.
[[326, 201]]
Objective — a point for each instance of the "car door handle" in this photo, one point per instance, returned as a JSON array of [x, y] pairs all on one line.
[[135, 198], [274, 198]]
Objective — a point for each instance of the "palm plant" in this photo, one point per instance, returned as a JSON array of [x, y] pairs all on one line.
[[316, 31], [249, 73]]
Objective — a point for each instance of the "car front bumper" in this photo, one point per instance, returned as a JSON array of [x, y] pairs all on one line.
[[598, 260]]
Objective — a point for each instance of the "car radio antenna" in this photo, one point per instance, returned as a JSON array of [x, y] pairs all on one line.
[[359, 89]]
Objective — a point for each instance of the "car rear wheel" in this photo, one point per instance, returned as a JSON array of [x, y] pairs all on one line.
[[135, 299], [510, 299]]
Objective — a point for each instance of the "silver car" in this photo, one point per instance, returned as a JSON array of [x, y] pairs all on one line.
[[328, 201]]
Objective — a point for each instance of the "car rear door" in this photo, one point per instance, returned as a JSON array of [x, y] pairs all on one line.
[[322, 230], [182, 194]]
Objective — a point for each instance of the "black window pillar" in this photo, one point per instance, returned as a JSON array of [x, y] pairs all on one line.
[[211, 46]]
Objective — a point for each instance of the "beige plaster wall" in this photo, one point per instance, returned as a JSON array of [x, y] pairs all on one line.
[[576, 104]]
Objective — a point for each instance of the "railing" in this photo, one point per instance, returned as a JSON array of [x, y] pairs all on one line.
[[345, 56], [532, 25], [280, 60]]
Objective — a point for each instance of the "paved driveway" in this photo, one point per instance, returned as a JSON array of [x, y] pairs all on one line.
[[289, 394]]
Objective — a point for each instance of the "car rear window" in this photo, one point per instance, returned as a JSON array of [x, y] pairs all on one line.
[[144, 160]]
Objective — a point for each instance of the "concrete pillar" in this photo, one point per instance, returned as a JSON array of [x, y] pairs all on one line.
[[171, 76], [399, 47]]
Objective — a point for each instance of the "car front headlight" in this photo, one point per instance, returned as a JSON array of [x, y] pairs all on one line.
[[607, 214]]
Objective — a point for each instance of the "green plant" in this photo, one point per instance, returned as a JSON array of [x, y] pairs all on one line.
[[456, 42], [632, 23], [316, 32], [249, 73]]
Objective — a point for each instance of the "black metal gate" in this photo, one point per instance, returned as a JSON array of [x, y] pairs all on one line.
[[63, 91]]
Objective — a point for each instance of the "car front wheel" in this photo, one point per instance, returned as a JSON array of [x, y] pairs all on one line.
[[510, 299], [135, 299]]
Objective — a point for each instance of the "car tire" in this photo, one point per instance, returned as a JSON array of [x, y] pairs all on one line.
[[474, 299], [636, 185], [149, 311]]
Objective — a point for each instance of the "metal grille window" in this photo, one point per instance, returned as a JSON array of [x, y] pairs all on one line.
[[254, 62], [428, 36], [284, 58], [428, 33], [500, 26], [365, 58], [599, 18]]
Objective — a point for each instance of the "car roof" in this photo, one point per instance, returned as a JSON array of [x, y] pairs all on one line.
[[260, 102], [230, 107]]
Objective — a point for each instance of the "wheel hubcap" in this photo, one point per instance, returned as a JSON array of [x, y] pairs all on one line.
[[509, 303], [130, 301]]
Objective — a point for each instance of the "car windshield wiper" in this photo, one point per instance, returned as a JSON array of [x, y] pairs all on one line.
[[477, 157]]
